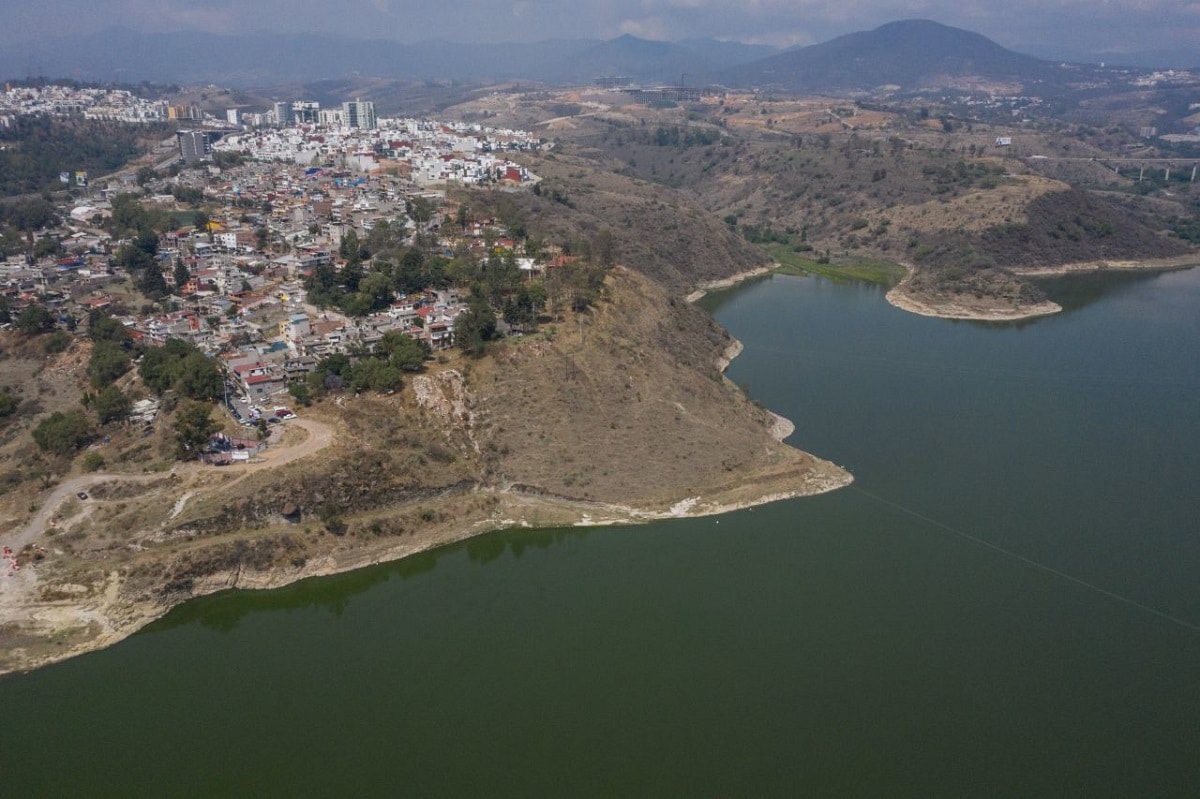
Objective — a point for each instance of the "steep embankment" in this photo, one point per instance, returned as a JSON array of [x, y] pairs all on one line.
[[630, 408]]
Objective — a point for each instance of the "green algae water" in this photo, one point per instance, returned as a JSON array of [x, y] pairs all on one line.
[[1004, 604]]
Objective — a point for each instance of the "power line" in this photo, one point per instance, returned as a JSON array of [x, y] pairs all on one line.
[[1030, 561]]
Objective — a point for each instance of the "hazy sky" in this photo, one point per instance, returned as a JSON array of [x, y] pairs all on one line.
[[1098, 25]]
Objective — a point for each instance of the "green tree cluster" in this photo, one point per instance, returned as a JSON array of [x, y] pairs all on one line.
[[402, 351], [111, 405], [50, 145], [63, 433], [181, 366], [108, 362], [140, 259], [194, 426], [35, 318], [380, 370], [476, 326]]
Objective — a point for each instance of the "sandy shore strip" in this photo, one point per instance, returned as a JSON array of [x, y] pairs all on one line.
[[951, 309], [104, 615], [981, 311], [1084, 267], [732, 280], [782, 427]]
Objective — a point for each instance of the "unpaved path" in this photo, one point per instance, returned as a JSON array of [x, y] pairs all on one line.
[[320, 435]]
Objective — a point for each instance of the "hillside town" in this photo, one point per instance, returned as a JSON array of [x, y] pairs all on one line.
[[283, 247], [425, 152], [113, 105]]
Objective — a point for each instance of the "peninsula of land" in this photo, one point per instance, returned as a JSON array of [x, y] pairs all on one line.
[[621, 416]]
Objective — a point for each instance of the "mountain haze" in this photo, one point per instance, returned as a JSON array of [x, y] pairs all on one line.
[[259, 59], [909, 55]]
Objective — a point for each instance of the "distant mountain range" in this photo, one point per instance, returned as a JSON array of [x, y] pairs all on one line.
[[907, 55], [266, 59], [904, 56]]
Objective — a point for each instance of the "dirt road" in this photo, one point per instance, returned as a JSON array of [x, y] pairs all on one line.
[[320, 435]]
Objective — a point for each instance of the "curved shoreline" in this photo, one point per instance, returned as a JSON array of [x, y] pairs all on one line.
[[101, 616], [949, 308], [730, 281], [1106, 265]]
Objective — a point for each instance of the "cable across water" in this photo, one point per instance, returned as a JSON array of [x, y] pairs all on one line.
[[1029, 561]]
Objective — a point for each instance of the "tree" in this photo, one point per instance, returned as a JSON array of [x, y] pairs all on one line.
[[108, 362], [181, 366], [111, 404], [152, 283], [374, 374], [127, 213], [420, 210], [198, 377], [475, 326], [147, 240], [403, 351], [145, 174], [57, 342], [194, 426], [349, 248], [8, 404], [352, 275], [301, 393], [63, 433], [501, 276], [46, 247], [182, 275], [155, 369], [34, 319], [522, 307], [604, 248], [92, 462], [377, 289], [356, 305], [105, 328]]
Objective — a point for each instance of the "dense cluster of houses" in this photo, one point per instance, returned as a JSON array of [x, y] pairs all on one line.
[[425, 152], [243, 265], [115, 105]]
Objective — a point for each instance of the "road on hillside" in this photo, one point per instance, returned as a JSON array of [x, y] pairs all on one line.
[[320, 435]]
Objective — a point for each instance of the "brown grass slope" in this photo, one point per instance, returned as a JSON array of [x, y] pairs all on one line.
[[1060, 227], [658, 232], [629, 408]]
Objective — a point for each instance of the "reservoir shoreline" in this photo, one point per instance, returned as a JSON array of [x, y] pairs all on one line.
[[982, 310], [115, 610]]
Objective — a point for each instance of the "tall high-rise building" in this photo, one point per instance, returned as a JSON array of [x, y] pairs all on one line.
[[283, 114], [359, 114], [331, 117], [306, 111], [194, 145]]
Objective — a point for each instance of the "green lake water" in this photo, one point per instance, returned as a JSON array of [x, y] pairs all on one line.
[[1006, 603]]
